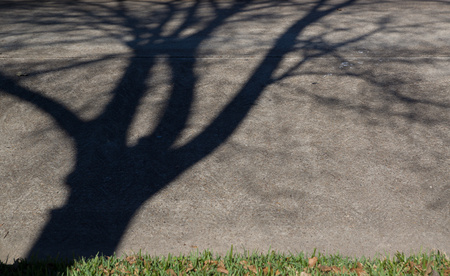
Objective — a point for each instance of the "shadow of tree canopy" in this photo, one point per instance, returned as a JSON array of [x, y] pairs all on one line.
[[112, 180]]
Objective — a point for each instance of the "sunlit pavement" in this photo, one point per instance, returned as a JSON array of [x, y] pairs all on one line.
[[171, 126]]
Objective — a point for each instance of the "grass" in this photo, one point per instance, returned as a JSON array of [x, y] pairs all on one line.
[[205, 263]]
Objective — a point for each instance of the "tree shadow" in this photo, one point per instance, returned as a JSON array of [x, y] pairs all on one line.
[[112, 180]]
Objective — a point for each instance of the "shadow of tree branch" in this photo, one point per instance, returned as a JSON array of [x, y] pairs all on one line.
[[111, 180]]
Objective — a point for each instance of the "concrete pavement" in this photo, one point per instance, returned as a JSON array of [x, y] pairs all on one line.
[[170, 126]]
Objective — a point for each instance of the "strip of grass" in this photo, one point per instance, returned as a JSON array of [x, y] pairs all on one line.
[[433, 263]]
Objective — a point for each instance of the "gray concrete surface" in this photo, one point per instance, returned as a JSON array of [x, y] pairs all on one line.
[[170, 126]]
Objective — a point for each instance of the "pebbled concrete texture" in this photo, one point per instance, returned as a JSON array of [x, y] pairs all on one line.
[[171, 126]]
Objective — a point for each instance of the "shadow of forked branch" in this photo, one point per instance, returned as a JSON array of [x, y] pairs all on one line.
[[111, 180]]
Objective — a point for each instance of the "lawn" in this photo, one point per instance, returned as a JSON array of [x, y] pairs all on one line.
[[206, 263]]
